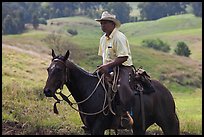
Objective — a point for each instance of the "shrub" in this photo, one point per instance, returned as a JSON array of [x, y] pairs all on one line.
[[156, 44], [56, 42], [72, 32], [182, 49], [42, 21]]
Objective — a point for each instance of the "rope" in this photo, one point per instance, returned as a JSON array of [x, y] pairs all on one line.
[[80, 102], [70, 103], [101, 80]]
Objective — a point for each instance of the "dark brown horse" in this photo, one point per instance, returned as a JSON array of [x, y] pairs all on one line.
[[159, 106]]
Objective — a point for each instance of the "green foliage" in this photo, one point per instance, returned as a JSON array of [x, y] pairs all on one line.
[[156, 44], [72, 32], [24, 11], [42, 21], [182, 49], [12, 25], [156, 10], [24, 75], [35, 22], [121, 10], [13, 20], [197, 8], [8, 25]]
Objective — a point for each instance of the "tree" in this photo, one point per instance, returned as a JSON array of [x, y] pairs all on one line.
[[121, 10], [42, 21], [156, 10], [156, 44], [54, 41], [13, 19], [35, 22], [182, 49], [197, 8], [7, 25]]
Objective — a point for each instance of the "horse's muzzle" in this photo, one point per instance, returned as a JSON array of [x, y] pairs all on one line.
[[48, 92]]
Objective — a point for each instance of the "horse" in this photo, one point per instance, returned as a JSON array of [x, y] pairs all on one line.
[[87, 90]]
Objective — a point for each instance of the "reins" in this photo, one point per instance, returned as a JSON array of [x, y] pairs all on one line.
[[66, 98], [80, 102]]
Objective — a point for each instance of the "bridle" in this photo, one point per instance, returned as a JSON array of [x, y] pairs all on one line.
[[61, 88], [66, 98], [66, 70]]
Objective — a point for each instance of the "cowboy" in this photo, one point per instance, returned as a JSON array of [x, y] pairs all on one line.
[[115, 51]]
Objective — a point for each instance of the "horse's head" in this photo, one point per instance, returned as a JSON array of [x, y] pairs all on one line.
[[57, 74]]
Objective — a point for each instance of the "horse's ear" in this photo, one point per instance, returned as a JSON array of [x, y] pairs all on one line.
[[53, 53], [66, 55]]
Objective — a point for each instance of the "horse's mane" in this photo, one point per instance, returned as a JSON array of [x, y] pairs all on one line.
[[81, 69], [77, 66]]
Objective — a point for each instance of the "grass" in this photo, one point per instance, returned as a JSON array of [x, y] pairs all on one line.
[[24, 75], [189, 111], [29, 106], [171, 29], [23, 100]]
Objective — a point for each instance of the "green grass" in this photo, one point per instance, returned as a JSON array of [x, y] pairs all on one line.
[[24, 75], [167, 24], [189, 109], [22, 90], [172, 29], [29, 105]]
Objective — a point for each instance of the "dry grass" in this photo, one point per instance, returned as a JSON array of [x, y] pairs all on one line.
[[24, 75]]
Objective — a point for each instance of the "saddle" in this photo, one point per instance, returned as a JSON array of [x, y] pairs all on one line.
[[140, 82]]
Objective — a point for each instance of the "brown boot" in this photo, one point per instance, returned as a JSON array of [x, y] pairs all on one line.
[[126, 120]]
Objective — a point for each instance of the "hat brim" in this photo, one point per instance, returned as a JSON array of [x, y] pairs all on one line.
[[117, 22]]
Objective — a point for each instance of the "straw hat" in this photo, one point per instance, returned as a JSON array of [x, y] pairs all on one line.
[[107, 16]]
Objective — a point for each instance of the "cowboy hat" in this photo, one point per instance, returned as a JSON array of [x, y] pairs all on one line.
[[107, 16]]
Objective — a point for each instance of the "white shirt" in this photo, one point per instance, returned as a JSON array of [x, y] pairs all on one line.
[[116, 45]]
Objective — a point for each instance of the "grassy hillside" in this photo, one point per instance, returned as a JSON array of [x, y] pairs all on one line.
[[172, 29], [24, 65], [23, 101]]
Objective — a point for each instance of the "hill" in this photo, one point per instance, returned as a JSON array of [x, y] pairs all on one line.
[[26, 56], [171, 29]]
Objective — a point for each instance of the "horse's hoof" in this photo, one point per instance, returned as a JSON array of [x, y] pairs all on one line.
[[86, 129], [126, 121]]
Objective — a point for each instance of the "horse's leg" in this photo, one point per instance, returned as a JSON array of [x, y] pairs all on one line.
[[173, 126], [97, 131], [138, 130], [169, 125], [98, 127], [137, 127]]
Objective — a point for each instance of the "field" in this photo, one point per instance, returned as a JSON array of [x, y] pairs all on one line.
[[25, 58]]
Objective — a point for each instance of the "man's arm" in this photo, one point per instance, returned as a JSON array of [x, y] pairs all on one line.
[[118, 61]]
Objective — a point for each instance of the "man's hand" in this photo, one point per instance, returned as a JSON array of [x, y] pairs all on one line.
[[103, 69]]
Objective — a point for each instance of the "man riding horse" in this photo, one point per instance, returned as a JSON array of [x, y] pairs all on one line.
[[115, 51]]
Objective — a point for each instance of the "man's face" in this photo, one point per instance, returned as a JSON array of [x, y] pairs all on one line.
[[107, 26]]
